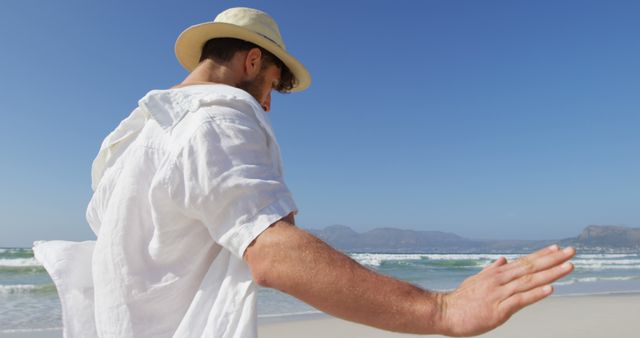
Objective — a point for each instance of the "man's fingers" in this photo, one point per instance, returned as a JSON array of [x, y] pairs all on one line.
[[528, 282], [516, 302], [533, 256], [544, 251], [533, 263], [498, 262]]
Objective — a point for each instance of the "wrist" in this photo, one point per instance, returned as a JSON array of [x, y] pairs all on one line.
[[440, 324], [432, 311]]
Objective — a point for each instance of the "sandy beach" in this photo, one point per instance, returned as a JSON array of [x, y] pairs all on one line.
[[610, 316], [594, 316]]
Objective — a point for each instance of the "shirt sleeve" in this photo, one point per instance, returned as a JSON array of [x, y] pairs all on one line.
[[226, 177]]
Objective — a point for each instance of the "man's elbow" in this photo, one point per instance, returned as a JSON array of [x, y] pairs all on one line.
[[260, 276], [268, 252], [258, 263]]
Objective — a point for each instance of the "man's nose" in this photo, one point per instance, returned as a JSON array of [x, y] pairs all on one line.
[[266, 104]]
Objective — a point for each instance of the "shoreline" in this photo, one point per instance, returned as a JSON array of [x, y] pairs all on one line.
[[613, 314]]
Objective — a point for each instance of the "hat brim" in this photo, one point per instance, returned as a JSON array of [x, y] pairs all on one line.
[[190, 42]]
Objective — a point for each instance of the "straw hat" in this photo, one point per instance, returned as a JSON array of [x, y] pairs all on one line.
[[245, 24]]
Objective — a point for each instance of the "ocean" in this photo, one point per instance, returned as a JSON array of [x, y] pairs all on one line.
[[29, 302]]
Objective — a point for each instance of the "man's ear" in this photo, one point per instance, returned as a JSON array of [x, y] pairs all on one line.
[[253, 62]]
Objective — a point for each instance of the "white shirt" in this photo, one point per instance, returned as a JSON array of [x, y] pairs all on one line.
[[181, 187]]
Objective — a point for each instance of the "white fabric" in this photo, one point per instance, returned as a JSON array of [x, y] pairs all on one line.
[[69, 264], [181, 188]]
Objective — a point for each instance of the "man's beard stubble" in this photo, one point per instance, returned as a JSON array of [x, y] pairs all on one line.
[[253, 87]]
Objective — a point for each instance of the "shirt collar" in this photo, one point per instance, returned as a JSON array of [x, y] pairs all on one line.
[[169, 106]]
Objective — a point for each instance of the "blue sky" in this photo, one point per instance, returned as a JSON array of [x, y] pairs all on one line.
[[491, 119]]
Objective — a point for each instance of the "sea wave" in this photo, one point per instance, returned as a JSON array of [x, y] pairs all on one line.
[[581, 262], [21, 270], [485, 257], [16, 253], [596, 279], [377, 259], [608, 256], [429, 263], [443, 260], [606, 264], [26, 288], [18, 262], [31, 330]]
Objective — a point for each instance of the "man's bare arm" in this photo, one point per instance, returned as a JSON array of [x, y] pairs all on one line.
[[289, 259]]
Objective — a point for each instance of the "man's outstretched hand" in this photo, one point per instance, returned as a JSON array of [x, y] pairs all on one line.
[[289, 259], [488, 299]]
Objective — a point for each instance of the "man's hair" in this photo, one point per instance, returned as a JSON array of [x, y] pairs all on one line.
[[223, 49]]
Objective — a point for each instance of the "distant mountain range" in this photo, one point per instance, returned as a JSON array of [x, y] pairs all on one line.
[[606, 238], [593, 239]]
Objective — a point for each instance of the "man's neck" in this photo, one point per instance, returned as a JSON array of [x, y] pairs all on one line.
[[208, 72]]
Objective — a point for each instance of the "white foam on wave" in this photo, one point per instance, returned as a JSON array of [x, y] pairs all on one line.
[[21, 288], [596, 279], [377, 259], [15, 250], [606, 264], [31, 330], [582, 261], [19, 262], [374, 259], [475, 257], [482, 259], [607, 256]]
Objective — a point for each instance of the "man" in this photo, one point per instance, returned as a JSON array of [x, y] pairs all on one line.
[[191, 212]]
